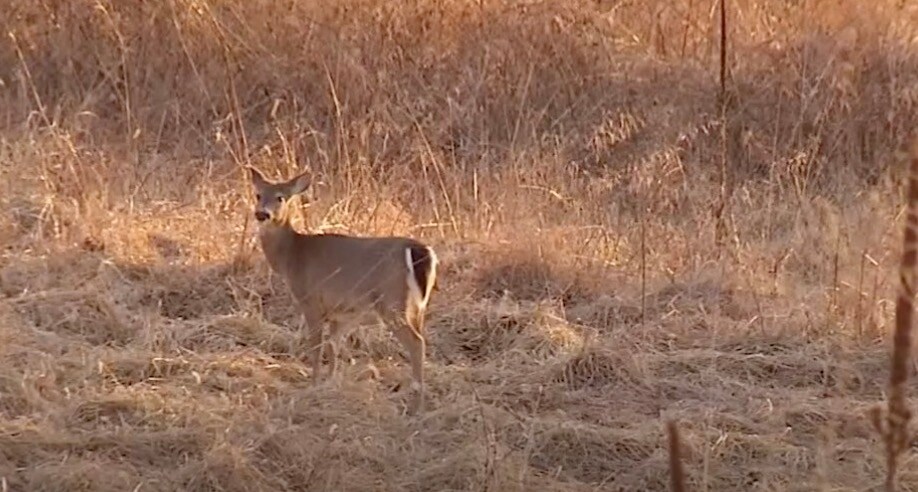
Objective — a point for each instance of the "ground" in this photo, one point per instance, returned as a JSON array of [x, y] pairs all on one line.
[[624, 242]]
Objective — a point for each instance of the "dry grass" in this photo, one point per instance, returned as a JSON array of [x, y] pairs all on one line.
[[555, 153]]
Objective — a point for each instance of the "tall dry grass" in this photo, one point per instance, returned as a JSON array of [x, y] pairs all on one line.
[[565, 159]]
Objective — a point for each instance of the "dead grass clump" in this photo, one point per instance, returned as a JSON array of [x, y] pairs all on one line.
[[505, 327], [275, 303], [28, 446], [16, 398], [294, 457], [605, 313], [226, 467], [201, 293], [133, 367], [472, 447], [131, 411], [319, 407], [189, 294], [461, 471], [749, 460], [523, 276], [791, 370], [201, 300], [595, 455], [249, 376], [26, 214], [165, 449], [331, 457], [86, 316], [706, 294], [829, 418], [28, 273], [471, 467], [167, 247], [220, 333], [596, 367], [80, 474]]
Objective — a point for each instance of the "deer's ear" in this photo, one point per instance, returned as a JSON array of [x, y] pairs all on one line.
[[257, 178], [299, 184]]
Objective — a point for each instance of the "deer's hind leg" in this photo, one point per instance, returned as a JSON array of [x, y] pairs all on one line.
[[411, 336], [337, 334]]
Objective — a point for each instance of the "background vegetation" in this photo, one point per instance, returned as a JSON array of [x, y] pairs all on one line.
[[619, 248]]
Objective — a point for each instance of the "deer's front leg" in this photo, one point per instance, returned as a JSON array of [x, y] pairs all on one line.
[[313, 324]]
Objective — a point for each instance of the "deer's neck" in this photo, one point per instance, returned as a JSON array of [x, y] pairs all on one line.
[[277, 241]]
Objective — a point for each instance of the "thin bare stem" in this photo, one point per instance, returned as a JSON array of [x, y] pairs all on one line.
[[676, 473], [899, 414], [723, 48], [643, 269]]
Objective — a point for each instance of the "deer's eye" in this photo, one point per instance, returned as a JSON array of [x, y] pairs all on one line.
[[258, 196], [280, 199]]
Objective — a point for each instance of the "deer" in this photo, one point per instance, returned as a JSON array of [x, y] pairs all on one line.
[[334, 278]]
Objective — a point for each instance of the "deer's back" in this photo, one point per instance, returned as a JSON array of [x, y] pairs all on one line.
[[347, 273]]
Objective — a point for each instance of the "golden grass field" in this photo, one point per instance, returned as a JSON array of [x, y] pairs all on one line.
[[620, 246]]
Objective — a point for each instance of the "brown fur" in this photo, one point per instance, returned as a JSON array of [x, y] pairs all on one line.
[[334, 277]]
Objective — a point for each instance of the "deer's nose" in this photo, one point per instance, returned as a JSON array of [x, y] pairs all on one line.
[[261, 216]]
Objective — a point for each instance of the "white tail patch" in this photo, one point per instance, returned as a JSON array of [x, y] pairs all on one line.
[[432, 274], [413, 286]]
